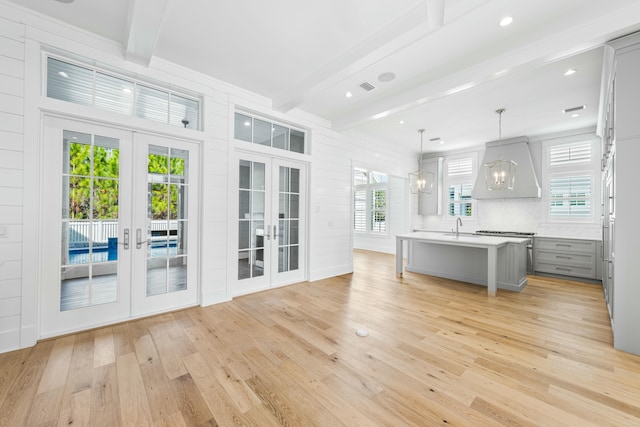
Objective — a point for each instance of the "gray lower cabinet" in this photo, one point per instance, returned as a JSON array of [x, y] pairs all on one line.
[[566, 257]]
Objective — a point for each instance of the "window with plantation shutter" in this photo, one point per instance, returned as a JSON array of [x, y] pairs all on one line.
[[571, 171], [360, 210], [459, 183], [570, 154], [86, 86], [370, 195], [570, 196]]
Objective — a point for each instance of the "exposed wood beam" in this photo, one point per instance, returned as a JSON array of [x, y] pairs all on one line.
[[143, 26]]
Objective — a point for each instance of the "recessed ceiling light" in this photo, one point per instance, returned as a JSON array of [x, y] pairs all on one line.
[[570, 72], [63, 74], [441, 141], [348, 94], [401, 122], [386, 77], [506, 21]]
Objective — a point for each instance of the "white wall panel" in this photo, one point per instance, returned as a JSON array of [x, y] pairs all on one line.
[[12, 122], [10, 288], [11, 159], [12, 29], [10, 196], [11, 104], [11, 48], [11, 178], [10, 251], [10, 270], [11, 67], [11, 141], [11, 86], [10, 215]]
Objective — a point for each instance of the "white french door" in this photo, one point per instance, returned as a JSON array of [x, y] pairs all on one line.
[[118, 225], [270, 223]]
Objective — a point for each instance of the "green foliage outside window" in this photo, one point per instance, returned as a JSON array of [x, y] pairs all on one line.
[[164, 196], [99, 174]]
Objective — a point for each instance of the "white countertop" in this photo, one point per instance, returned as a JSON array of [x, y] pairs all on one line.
[[463, 239]]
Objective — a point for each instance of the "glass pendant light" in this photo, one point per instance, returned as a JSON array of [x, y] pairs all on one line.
[[500, 174], [421, 181]]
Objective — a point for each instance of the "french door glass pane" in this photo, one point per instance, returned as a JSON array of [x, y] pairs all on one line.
[[89, 235], [251, 225], [288, 213], [167, 220]]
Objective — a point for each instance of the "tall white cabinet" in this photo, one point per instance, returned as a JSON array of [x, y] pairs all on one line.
[[619, 127]]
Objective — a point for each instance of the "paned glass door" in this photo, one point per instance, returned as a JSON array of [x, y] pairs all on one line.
[[116, 226], [270, 222], [165, 225]]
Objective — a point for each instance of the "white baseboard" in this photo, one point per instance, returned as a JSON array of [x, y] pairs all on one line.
[[330, 272]]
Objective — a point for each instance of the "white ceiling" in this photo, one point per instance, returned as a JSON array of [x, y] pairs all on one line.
[[450, 78]]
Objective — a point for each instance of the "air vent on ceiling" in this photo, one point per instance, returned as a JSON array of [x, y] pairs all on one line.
[[367, 86]]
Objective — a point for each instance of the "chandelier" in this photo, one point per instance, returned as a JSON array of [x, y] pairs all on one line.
[[421, 181], [500, 174]]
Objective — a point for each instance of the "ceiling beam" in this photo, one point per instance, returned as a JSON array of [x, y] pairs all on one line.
[[143, 27], [435, 13], [404, 30]]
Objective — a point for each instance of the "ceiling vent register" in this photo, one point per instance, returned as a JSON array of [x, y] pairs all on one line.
[[367, 86]]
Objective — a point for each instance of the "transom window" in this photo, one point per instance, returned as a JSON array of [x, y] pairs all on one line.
[[86, 86], [268, 133], [370, 194]]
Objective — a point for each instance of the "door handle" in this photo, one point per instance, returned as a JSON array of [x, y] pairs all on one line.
[[139, 240], [275, 231], [266, 234], [125, 239]]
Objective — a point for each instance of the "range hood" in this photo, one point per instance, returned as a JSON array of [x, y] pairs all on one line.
[[526, 182]]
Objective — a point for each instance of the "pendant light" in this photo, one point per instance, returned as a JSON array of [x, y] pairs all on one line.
[[421, 181], [500, 174]]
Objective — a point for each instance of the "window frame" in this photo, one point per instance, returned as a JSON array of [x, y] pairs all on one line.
[[288, 128], [466, 179], [174, 97], [590, 168], [369, 202]]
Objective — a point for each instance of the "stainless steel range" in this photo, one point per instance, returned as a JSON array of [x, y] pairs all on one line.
[[518, 234]]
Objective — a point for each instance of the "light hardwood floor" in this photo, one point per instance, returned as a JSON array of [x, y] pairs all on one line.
[[438, 353]]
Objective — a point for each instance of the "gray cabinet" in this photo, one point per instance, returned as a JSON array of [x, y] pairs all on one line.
[[566, 257], [431, 203], [619, 127]]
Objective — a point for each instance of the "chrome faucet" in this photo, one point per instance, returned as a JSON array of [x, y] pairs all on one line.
[[458, 222]]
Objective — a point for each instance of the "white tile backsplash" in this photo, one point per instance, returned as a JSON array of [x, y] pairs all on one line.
[[524, 215]]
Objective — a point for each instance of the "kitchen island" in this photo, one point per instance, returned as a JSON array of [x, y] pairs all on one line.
[[495, 262]]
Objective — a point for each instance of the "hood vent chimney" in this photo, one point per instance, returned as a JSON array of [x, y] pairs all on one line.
[[526, 183]]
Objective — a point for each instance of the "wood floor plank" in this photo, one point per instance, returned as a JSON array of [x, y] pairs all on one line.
[[55, 374], [105, 400], [134, 406], [21, 395], [78, 412], [104, 352], [439, 352]]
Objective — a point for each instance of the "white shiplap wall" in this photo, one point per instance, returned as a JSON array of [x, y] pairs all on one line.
[[11, 180], [23, 35]]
